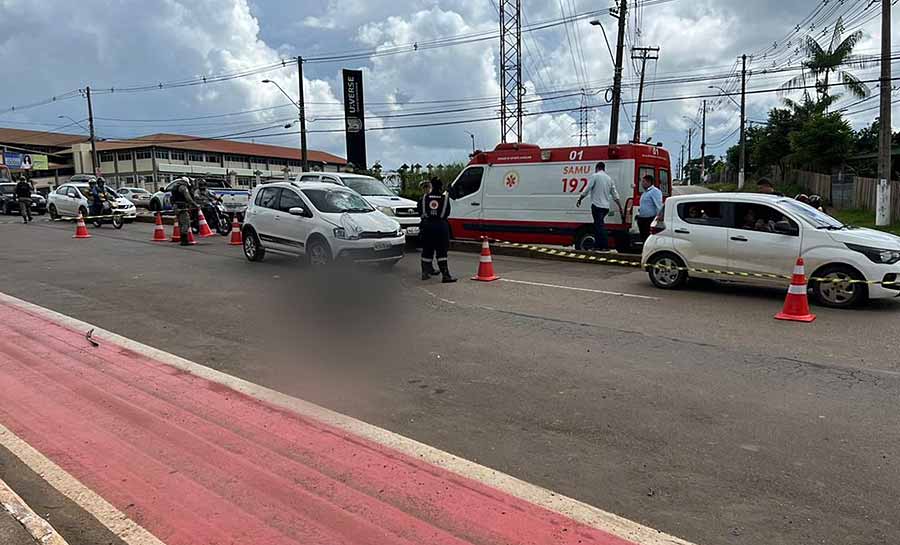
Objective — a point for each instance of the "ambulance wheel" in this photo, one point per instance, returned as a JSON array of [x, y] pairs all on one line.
[[585, 239]]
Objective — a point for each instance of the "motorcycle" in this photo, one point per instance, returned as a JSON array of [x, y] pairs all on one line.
[[216, 216], [109, 216]]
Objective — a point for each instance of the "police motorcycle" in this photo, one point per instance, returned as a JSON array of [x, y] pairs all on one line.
[[109, 215]]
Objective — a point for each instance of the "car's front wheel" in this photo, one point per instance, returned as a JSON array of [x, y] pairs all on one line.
[[54, 213], [253, 250], [318, 253], [667, 271], [839, 286]]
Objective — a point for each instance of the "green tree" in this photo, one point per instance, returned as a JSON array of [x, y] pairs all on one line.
[[771, 144], [822, 143], [822, 64]]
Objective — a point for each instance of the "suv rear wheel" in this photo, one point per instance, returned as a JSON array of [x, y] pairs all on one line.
[[667, 271], [253, 249]]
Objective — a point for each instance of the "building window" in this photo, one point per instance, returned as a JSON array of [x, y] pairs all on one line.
[[162, 154], [124, 156], [213, 158], [278, 162], [178, 156], [195, 157], [145, 154], [107, 157]]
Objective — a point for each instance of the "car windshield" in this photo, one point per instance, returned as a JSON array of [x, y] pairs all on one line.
[[819, 219], [369, 187], [336, 201], [7, 189]]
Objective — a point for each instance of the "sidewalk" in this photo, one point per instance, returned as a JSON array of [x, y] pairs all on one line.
[[13, 533], [194, 461]]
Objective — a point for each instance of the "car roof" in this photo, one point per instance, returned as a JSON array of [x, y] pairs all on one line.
[[729, 197], [339, 174]]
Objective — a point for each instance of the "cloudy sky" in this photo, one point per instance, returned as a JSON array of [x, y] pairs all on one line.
[[416, 70]]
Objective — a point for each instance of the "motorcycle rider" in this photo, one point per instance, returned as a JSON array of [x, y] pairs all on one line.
[[96, 198], [435, 231], [183, 201], [207, 201]]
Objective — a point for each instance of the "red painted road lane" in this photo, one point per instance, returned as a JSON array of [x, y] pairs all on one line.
[[197, 463]]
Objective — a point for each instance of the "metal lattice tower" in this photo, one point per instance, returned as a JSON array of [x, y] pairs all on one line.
[[584, 122], [511, 70]]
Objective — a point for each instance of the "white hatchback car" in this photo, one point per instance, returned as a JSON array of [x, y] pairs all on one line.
[[321, 221], [765, 234], [72, 198]]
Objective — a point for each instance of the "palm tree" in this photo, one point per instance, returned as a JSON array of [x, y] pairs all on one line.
[[821, 64]]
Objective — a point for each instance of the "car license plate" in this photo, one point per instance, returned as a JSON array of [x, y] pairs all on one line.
[[382, 246], [412, 231]]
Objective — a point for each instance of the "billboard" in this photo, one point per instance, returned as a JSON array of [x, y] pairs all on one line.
[[25, 161], [13, 160], [39, 162], [354, 117]]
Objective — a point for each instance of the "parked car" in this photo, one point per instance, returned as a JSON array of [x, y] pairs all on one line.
[[765, 234], [377, 194], [10, 205], [138, 196], [73, 198], [234, 200], [322, 222]]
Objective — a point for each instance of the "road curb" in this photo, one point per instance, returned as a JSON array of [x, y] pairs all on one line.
[[40, 529], [551, 254]]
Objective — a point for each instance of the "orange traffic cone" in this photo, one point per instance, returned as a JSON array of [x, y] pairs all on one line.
[[81, 229], [176, 232], [796, 306], [191, 239], [485, 265], [205, 231], [236, 239], [159, 233]]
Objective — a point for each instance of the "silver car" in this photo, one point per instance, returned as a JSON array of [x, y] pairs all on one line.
[[138, 196], [73, 198]]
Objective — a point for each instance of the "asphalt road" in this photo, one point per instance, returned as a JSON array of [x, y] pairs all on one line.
[[693, 412]]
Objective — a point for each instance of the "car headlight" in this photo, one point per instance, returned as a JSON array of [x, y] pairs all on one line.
[[341, 233], [877, 255], [387, 211]]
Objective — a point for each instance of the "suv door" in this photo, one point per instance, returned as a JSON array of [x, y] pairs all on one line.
[[293, 230], [264, 212], [753, 244], [700, 233], [466, 211]]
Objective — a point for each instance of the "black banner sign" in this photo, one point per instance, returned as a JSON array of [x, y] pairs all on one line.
[[354, 116]]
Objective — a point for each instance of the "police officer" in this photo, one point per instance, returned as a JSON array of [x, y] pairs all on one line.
[[183, 201], [23, 196], [435, 231]]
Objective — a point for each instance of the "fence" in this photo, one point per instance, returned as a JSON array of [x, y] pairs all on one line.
[[846, 191]]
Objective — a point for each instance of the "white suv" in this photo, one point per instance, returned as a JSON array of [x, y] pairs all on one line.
[[764, 235], [403, 210], [321, 221]]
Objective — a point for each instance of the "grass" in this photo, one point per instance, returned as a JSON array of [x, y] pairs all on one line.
[[863, 218]]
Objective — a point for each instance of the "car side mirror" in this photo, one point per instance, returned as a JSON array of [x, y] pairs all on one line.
[[784, 227], [297, 211]]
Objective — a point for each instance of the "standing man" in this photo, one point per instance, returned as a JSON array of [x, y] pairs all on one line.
[[183, 200], [426, 189], [435, 231], [651, 204], [602, 189], [23, 195]]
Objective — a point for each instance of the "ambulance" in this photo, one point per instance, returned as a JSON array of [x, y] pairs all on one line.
[[524, 193]]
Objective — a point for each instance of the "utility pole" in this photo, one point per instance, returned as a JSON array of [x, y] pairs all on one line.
[[883, 195], [301, 106], [690, 146], [617, 80], [743, 157], [95, 166], [644, 56], [703, 147], [681, 163]]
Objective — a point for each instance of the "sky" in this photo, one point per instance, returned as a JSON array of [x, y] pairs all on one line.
[[416, 71]]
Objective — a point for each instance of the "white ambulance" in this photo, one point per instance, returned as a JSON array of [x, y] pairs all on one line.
[[522, 193]]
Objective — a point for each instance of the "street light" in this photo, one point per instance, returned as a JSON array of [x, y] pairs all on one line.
[[596, 22], [73, 121], [300, 114], [473, 141], [725, 93]]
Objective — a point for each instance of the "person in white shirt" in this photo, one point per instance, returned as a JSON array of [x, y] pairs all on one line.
[[603, 192]]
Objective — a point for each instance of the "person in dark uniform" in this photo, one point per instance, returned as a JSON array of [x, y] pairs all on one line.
[[183, 201], [435, 231], [23, 196]]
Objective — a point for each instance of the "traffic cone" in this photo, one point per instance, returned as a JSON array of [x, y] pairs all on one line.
[[236, 239], [176, 232], [191, 240], [81, 229], [205, 231], [485, 265], [159, 233], [796, 306]]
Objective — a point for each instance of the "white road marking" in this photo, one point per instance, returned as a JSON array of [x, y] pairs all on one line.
[[602, 292], [39, 528], [574, 509]]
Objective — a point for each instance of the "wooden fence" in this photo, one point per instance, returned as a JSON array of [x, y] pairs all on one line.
[[863, 194]]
